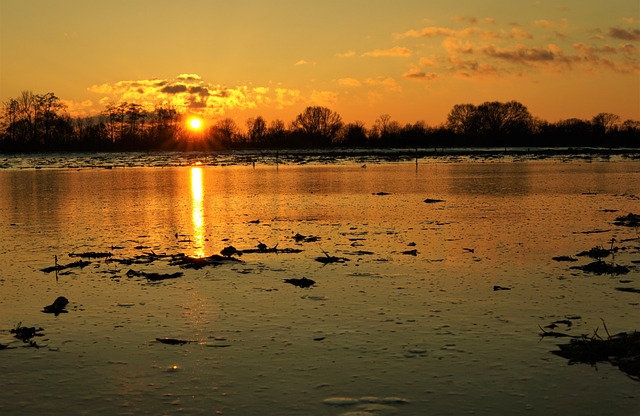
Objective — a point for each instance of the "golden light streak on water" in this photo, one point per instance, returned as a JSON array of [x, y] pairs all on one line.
[[197, 211]]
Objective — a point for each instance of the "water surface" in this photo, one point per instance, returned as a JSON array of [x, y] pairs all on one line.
[[390, 331]]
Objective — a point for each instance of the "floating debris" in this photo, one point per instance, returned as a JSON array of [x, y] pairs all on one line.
[[173, 341], [229, 251], [302, 282], [305, 239], [597, 252], [381, 193], [262, 248], [629, 220], [496, 287], [76, 264], [621, 350], [413, 252], [433, 201], [91, 255], [187, 262], [554, 324], [330, 259], [154, 277], [25, 334], [628, 289], [594, 232], [564, 258], [601, 267], [57, 307]]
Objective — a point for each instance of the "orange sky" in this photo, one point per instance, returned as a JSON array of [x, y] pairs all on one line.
[[412, 60]]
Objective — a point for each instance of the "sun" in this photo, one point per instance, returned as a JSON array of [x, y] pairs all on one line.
[[195, 123]]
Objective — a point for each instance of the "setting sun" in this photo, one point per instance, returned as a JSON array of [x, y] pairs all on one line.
[[195, 123]]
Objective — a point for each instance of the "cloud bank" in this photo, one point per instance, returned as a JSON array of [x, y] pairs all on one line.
[[189, 93]]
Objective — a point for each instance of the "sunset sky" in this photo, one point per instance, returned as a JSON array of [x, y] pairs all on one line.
[[412, 60]]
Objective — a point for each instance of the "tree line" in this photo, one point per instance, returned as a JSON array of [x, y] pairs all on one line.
[[40, 123]]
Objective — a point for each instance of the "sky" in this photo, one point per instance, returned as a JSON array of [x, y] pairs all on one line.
[[412, 60]]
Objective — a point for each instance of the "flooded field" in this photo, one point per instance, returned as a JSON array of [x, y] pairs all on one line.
[[428, 285]]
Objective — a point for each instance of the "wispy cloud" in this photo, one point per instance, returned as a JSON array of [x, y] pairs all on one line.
[[415, 74], [392, 52], [347, 54], [521, 54], [624, 34], [349, 82], [389, 84]]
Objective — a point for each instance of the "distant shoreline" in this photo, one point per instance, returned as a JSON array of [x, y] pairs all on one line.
[[300, 157]]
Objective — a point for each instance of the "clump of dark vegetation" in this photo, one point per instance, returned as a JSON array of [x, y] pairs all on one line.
[[564, 258], [621, 350], [81, 264], [92, 255], [301, 282], [299, 238], [330, 259], [230, 251], [597, 252], [602, 267], [188, 262], [154, 277], [173, 341], [57, 307], [629, 220], [628, 289], [26, 334], [599, 266], [263, 249]]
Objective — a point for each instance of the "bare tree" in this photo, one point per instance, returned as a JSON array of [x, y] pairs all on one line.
[[46, 113], [226, 131], [605, 122], [499, 119], [462, 119], [354, 134], [320, 124], [257, 129]]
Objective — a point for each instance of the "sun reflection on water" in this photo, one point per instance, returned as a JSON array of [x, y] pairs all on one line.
[[197, 211]]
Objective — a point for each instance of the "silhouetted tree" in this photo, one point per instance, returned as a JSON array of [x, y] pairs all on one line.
[[276, 133], [257, 130], [225, 132], [414, 135], [354, 135], [319, 124], [496, 119], [163, 130], [385, 131], [462, 119], [604, 122]]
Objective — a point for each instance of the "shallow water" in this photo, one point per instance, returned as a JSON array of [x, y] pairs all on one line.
[[383, 333]]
